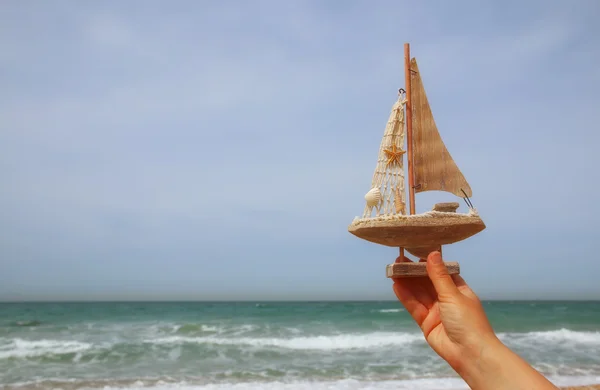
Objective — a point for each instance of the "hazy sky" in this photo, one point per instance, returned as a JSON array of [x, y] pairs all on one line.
[[219, 150]]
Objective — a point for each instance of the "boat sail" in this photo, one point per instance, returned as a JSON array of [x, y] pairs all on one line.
[[430, 167], [434, 168]]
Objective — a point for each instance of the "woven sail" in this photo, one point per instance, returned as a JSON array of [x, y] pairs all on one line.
[[434, 168], [387, 194]]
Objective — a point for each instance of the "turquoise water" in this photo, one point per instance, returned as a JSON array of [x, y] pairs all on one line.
[[266, 345]]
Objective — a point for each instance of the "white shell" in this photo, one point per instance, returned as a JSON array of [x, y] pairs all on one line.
[[373, 197]]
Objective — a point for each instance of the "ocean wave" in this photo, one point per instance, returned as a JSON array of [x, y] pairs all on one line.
[[391, 310], [19, 348], [26, 323], [197, 328], [199, 339], [439, 383], [332, 342], [560, 336], [200, 329], [74, 351]]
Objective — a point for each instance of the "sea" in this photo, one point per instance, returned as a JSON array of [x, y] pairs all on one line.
[[271, 345]]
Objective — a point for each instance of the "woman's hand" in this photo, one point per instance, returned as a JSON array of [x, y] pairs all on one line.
[[447, 310], [455, 326]]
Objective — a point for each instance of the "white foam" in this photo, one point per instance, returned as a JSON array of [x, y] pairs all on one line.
[[200, 327], [391, 310], [346, 384], [350, 384], [565, 336], [19, 348], [380, 339], [334, 342]]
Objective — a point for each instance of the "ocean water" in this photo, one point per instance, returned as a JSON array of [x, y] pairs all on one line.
[[269, 345]]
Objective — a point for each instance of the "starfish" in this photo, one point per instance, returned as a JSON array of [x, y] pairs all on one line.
[[394, 155]]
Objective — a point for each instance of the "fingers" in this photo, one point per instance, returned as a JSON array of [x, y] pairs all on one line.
[[407, 294], [420, 289], [463, 287], [459, 281], [412, 305], [441, 280]]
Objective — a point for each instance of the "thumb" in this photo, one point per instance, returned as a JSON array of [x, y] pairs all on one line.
[[438, 273]]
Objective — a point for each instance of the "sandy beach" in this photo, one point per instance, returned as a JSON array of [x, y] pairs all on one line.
[[591, 387]]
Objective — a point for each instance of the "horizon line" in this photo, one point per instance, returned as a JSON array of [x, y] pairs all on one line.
[[276, 301]]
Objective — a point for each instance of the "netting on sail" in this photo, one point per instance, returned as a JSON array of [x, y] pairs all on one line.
[[387, 195]]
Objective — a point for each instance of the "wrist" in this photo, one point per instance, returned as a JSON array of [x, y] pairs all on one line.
[[481, 358], [490, 364]]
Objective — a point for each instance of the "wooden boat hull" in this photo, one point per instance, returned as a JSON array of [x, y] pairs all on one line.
[[418, 233]]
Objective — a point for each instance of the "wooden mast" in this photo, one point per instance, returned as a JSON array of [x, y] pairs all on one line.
[[409, 156], [409, 138]]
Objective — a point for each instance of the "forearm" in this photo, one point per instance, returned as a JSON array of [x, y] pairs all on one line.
[[495, 367]]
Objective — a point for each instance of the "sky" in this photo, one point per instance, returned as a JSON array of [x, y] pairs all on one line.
[[219, 150]]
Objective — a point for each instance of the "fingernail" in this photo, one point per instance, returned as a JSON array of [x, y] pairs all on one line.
[[436, 258]]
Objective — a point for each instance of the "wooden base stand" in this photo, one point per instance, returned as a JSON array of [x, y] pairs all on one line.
[[413, 270]]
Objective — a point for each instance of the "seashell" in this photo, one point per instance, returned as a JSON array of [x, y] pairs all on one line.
[[373, 197]]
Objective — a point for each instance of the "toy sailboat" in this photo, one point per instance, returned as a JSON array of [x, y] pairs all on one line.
[[430, 168]]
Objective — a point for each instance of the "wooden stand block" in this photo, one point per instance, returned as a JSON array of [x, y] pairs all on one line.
[[414, 270]]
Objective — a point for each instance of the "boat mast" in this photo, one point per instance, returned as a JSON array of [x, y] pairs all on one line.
[[409, 140]]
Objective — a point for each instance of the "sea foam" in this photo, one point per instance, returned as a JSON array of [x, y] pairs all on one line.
[[331, 342], [19, 348], [448, 383], [565, 336]]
